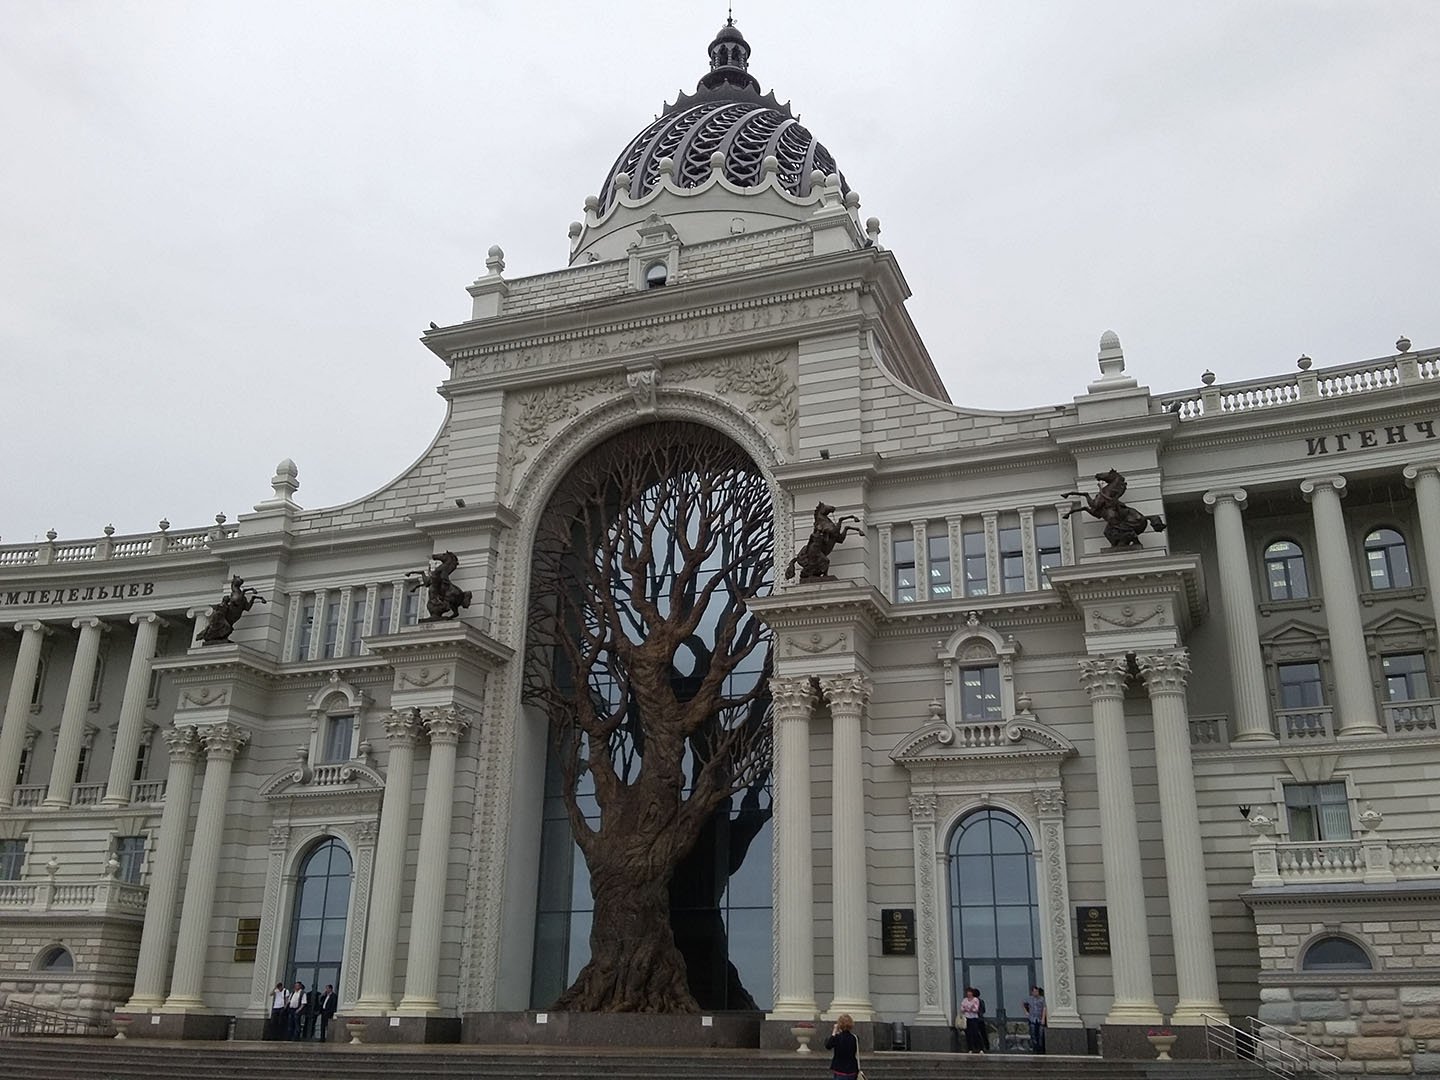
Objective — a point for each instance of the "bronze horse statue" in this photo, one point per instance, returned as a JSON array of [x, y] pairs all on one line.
[[1123, 524], [446, 599], [225, 614], [814, 558]]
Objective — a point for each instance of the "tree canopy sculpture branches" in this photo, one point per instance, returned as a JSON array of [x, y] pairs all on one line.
[[654, 676]]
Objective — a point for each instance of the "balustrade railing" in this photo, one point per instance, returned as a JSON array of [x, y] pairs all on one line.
[[147, 791], [1209, 731], [87, 794], [16, 894], [109, 548], [29, 795], [1372, 859], [1305, 725], [107, 895], [1411, 717], [1364, 377]]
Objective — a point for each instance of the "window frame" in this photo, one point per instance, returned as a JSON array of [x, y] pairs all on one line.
[[1385, 549], [1284, 829], [1266, 561], [902, 535], [1424, 676], [15, 857]]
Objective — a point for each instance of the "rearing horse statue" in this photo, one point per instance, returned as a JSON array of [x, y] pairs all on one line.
[[225, 614], [1123, 524], [814, 558], [446, 599]]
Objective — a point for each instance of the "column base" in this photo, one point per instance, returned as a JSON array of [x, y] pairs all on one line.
[[54, 804], [1361, 731], [1127, 1013], [142, 1004], [417, 1007], [401, 1029], [114, 804], [1193, 1014], [860, 1011], [371, 1007], [790, 1011], [1255, 737]]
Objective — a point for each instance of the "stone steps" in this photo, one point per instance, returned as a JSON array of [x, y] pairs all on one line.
[[109, 1059]]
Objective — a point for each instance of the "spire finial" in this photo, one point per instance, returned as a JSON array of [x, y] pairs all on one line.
[[729, 59], [730, 14]]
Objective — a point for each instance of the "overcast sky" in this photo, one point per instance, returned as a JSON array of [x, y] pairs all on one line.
[[223, 225]]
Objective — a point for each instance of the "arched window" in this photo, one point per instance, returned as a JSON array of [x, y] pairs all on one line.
[[1285, 576], [56, 960], [994, 910], [1335, 954], [1387, 559], [317, 928], [656, 274]]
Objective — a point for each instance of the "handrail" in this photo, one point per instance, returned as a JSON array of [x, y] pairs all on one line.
[[20, 1018], [1275, 1050]]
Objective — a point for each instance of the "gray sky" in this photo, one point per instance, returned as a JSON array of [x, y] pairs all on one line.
[[223, 225]]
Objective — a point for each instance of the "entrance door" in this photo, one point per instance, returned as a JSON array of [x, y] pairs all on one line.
[[995, 919]]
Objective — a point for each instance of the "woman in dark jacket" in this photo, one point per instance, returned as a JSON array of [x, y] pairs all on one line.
[[844, 1059]]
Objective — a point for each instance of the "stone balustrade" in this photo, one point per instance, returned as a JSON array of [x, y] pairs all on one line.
[[1369, 859], [1367, 376], [104, 897], [113, 548], [147, 792]]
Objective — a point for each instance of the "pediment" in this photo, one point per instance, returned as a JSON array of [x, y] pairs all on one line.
[[1021, 738], [304, 781]]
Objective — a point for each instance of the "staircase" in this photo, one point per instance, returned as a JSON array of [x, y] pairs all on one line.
[[134, 1059]]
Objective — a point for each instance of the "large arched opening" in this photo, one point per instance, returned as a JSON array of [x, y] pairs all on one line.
[[654, 886]]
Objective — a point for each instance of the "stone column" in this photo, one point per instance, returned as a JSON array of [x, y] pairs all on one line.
[[1242, 627], [377, 981], [1425, 479], [17, 705], [222, 742], [1103, 678], [794, 877], [72, 720], [154, 964], [1354, 695], [132, 709], [1165, 675], [848, 695], [422, 970]]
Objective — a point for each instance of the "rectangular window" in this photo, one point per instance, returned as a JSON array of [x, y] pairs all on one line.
[[980, 693], [384, 605], [80, 762], [307, 626], [1012, 559], [357, 622], [1317, 812], [12, 859], [24, 766], [142, 760], [332, 627], [96, 680], [338, 732], [938, 548], [130, 853], [153, 694], [976, 578], [38, 686], [1405, 677], [1300, 686], [410, 614], [1047, 545], [904, 552]]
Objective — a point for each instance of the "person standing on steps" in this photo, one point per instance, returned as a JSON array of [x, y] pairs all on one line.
[[845, 1049], [295, 1008], [1039, 1017], [328, 1003], [969, 1019], [279, 1024]]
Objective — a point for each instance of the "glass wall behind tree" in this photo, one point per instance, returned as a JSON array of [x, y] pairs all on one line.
[[655, 855]]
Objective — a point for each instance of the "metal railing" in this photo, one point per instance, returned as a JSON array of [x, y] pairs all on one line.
[[18, 1018], [1275, 1050]]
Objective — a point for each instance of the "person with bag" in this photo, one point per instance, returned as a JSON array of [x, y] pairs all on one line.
[[969, 1019], [845, 1049]]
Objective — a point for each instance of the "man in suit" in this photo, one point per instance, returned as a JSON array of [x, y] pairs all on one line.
[[326, 1008]]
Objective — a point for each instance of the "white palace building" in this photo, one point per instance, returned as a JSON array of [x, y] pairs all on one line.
[[1198, 776]]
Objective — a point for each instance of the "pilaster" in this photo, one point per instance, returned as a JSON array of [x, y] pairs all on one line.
[[847, 696], [793, 872]]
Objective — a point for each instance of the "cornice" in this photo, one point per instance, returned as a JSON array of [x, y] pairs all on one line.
[[1148, 429], [826, 603], [450, 639], [1388, 745], [360, 670], [853, 468], [1326, 895], [1123, 574], [230, 659]]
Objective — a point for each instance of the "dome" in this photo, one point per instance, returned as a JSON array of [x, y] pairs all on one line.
[[728, 115]]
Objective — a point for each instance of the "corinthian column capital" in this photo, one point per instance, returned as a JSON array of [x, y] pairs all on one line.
[[403, 727], [223, 740], [446, 723], [793, 698], [1166, 672], [848, 693], [1309, 487], [1237, 496], [182, 742], [1104, 676]]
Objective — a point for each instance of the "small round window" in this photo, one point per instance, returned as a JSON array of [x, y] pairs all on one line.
[[58, 960], [1335, 954], [655, 275]]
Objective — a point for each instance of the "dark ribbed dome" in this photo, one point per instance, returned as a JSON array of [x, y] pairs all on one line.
[[727, 113]]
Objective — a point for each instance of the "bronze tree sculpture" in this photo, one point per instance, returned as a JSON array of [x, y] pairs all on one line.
[[655, 679], [1123, 524], [226, 613]]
